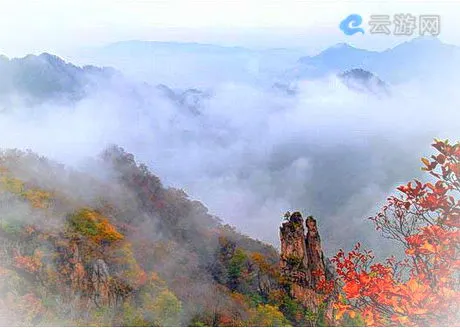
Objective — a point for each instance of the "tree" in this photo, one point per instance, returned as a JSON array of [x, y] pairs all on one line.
[[266, 315], [422, 288], [236, 268]]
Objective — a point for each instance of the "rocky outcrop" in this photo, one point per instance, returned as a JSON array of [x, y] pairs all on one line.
[[93, 279], [302, 262]]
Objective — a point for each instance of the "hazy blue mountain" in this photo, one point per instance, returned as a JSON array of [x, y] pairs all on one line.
[[191, 65], [37, 78], [420, 57], [338, 58]]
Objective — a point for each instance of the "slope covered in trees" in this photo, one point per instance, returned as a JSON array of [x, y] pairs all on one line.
[[118, 248]]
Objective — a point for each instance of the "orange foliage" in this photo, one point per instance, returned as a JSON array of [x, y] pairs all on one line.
[[29, 263], [422, 289], [3, 271], [95, 226]]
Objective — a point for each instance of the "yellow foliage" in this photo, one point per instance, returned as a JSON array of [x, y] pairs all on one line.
[[11, 184], [38, 198], [266, 315]]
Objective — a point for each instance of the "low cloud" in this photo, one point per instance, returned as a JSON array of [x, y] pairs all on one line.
[[254, 152]]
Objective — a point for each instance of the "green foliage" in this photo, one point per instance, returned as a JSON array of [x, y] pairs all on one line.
[[255, 299], [321, 316], [291, 308], [235, 268]]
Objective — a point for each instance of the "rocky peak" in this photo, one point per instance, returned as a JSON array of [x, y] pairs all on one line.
[[302, 261], [294, 259]]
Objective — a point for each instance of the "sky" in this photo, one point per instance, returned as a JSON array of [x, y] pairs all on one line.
[[60, 27]]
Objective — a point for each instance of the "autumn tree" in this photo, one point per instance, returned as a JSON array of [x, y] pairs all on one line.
[[422, 289]]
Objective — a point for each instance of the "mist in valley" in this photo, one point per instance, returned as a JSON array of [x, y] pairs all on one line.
[[250, 151]]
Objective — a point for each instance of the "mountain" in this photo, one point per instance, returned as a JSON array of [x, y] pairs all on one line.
[[304, 266], [33, 80], [119, 248], [334, 59], [46, 76], [191, 65], [420, 57]]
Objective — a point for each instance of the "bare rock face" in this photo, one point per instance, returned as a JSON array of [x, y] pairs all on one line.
[[77, 271], [315, 255], [302, 262], [99, 280], [294, 258]]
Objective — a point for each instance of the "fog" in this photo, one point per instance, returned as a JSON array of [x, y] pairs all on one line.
[[255, 152]]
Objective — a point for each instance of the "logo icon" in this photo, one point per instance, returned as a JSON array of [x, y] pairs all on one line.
[[350, 25]]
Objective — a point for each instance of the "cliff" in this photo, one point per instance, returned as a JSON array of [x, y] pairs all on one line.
[[303, 265]]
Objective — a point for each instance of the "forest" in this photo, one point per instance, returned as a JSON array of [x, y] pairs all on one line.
[[120, 249]]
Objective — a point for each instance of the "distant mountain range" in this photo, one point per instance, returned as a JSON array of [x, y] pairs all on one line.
[[419, 57], [181, 71], [35, 79], [192, 65]]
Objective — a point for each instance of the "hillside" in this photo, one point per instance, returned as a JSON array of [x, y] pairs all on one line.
[[113, 246]]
